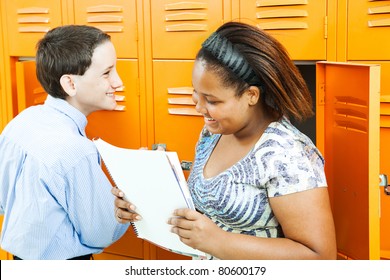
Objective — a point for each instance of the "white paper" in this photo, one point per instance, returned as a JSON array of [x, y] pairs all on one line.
[[148, 180]]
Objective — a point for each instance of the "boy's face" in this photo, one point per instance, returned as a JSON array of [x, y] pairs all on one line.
[[95, 90]]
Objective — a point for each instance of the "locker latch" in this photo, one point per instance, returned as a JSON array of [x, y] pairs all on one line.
[[383, 182], [159, 146], [186, 165]]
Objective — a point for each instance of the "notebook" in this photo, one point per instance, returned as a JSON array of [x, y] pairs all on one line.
[[154, 182]]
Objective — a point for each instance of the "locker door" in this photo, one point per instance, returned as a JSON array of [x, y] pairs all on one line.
[[351, 151], [29, 90], [176, 122], [179, 27], [368, 30], [300, 25], [120, 127], [117, 18], [385, 169], [128, 246], [28, 21]]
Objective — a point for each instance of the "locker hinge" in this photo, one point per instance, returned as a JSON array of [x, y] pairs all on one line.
[[326, 27], [138, 85], [136, 32], [321, 94]]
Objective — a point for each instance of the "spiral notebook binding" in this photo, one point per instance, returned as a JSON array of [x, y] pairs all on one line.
[[115, 186], [134, 228]]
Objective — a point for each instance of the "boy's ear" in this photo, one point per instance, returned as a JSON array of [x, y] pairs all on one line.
[[68, 84]]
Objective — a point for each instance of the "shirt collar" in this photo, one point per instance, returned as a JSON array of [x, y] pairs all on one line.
[[64, 107]]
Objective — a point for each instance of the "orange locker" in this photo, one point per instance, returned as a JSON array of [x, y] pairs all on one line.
[[120, 127], [29, 90], [179, 27], [28, 21], [117, 18], [385, 169], [156, 42], [300, 25], [368, 30], [349, 110], [176, 121], [385, 73], [129, 247]]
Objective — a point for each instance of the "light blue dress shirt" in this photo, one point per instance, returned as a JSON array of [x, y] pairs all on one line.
[[56, 199]]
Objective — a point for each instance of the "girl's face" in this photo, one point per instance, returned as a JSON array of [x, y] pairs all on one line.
[[95, 90], [223, 111]]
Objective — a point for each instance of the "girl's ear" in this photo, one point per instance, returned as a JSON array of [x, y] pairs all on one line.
[[68, 84], [253, 94]]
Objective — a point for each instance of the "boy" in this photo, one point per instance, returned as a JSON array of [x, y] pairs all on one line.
[[55, 197]]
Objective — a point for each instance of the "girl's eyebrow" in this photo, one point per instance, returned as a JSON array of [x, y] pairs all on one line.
[[205, 94]]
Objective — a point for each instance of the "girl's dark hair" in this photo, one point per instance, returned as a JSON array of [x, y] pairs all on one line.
[[282, 87], [63, 50]]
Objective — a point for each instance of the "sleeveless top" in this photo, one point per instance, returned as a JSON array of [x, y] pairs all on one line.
[[283, 161]]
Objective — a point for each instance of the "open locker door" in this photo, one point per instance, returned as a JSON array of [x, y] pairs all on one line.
[[29, 90], [348, 101]]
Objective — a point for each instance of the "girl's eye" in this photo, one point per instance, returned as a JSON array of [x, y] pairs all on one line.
[[211, 102]]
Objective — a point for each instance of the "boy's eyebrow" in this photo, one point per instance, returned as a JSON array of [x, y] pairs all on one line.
[[108, 68]]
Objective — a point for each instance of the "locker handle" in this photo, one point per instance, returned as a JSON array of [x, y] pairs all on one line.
[[186, 165], [383, 182], [159, 146]]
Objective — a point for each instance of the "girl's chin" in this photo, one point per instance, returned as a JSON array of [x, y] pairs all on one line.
[[212, 127]]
